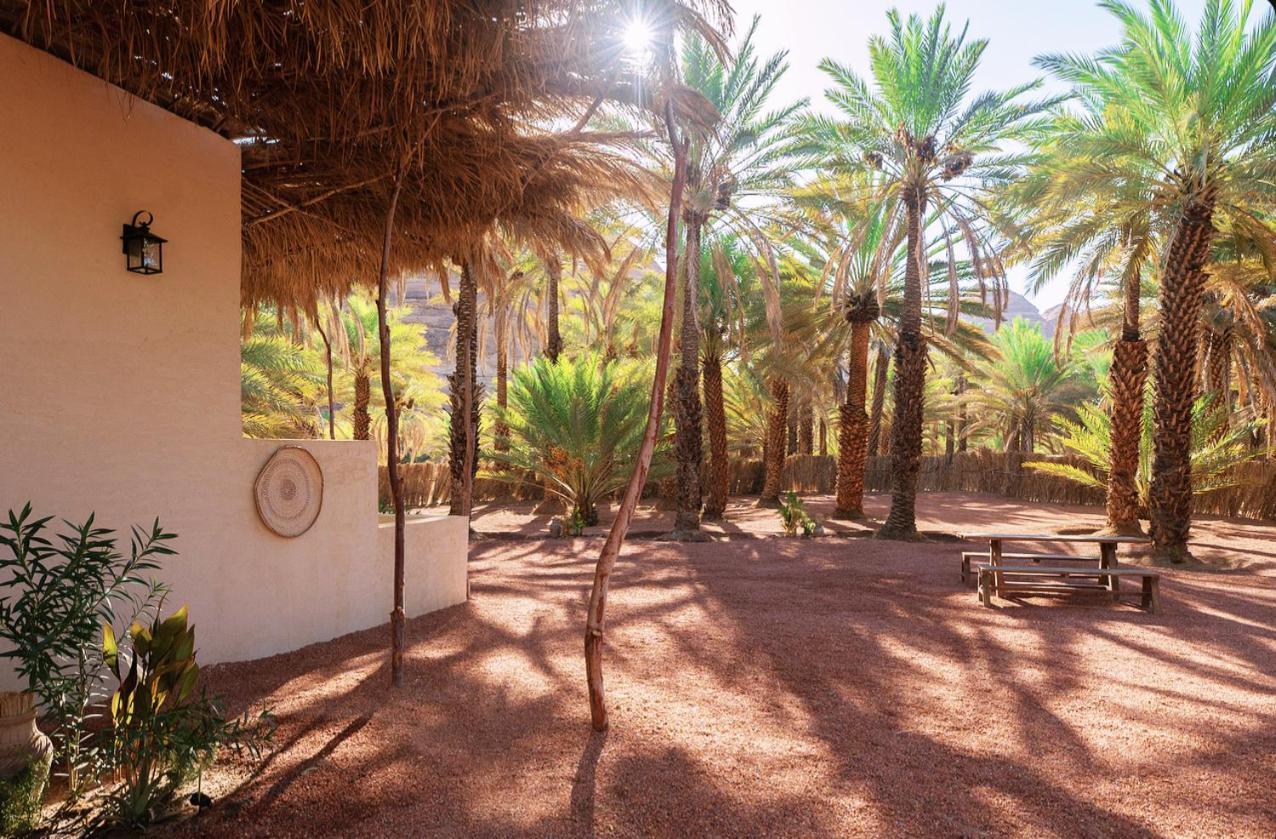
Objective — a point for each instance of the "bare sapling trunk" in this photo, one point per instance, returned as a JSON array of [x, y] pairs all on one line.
[[1128, 377], [616, 536], [398, 618]]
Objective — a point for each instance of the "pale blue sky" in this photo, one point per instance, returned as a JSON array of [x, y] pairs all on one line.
[[1016, 31]]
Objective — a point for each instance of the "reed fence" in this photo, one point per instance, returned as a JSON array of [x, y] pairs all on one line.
[[1253, 496]]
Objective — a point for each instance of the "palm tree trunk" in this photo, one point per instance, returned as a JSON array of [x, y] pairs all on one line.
[[688, 445], [553, 348], [463, 450], [327, 349], [398, 618], [824, 438], [553, 340], [1182, 287], [880, 372], [1218, 370], [501, 433], [715, 504], [362, 396], [910, 383], [777, 427], [806, 430], [1128, 377], [961, 412], [852, 441], [624, 514]]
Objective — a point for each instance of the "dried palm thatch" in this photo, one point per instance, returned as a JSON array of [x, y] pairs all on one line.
[[328, 99]]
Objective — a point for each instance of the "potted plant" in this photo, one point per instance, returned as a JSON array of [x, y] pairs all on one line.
[[55, 593]]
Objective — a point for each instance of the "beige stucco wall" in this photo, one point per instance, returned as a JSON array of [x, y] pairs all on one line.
[[119, 393]]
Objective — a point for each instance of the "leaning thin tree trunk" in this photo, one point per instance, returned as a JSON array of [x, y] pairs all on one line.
[[715, 504], [327, 349], [688, 445], [852, 439], [777, 431], [1128, 377], [879, 401], [910, 383], [619, 527], [398, 618], [1182, 288]]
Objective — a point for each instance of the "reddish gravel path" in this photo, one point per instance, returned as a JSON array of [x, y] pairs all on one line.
[[781, 687]]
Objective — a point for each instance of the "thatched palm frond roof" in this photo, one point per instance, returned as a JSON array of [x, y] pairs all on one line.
[[328, 98]]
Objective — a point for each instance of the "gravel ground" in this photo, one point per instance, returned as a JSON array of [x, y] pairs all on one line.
[[766, 686]]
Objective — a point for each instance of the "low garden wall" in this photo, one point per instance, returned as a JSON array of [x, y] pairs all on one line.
[[982, 470]]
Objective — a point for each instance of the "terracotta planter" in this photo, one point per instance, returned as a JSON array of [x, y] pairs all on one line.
[[21, 742]]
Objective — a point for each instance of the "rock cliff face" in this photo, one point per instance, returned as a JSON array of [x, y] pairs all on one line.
[[1021, 307], [435, 316]]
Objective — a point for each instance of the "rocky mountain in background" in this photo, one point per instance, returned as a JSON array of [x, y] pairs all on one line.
[[1021, 307], [435, 317], [422, 295]]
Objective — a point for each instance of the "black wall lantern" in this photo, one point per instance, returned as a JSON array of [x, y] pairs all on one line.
[[144, 251]]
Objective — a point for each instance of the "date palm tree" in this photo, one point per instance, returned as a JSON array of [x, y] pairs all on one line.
[[278, 385], [1191, 144], [746, 158], [1025, 387], [937, 153]]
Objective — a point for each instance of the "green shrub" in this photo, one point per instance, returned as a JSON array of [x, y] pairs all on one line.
[[794, 517], [166, 733], [576, 427], [57, 591], [20, 798]]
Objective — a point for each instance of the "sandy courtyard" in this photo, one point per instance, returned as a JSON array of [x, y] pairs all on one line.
[[763, 686]]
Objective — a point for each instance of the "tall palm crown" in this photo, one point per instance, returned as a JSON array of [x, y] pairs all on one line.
[[736, 169], [914, 124], [1175, 137], [1159, 121], [939, 152], [747, 159]]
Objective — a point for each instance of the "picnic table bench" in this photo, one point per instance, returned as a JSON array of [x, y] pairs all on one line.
[[1081, 573]]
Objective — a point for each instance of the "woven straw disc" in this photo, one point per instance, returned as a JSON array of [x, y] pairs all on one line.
[[289, 491]]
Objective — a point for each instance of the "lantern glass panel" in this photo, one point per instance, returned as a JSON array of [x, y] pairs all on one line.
[[152, 255]]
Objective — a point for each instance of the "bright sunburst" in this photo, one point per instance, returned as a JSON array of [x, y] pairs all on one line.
[[638, 37]]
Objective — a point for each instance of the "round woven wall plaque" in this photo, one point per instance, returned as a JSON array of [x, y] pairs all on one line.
[[289, 491]]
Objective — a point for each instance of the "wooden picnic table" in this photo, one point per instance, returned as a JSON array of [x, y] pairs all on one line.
[[1106, 559]]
